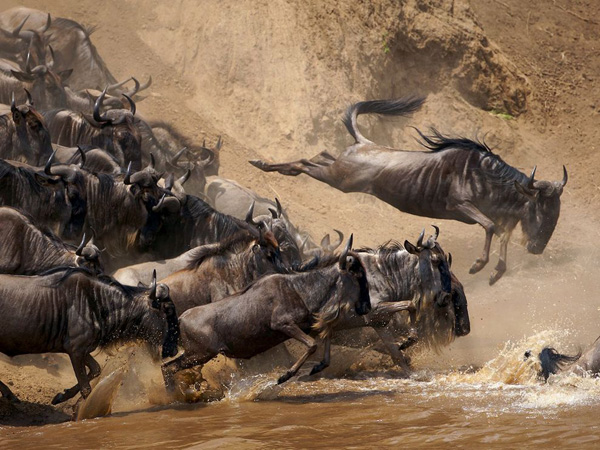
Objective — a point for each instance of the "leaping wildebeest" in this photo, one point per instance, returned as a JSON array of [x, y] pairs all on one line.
[[27, 249], [72, 312], [270, 311], [456, 178]]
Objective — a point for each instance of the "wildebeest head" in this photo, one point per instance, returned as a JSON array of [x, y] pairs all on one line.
[[542, 210], [46, 86], [433, 267], [194, 170], [88, 256], [118, 126], [350, 262], [75, 189], [33, 137], [552, 362], [160, 300]]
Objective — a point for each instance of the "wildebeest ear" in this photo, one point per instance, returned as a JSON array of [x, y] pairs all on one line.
[[410, 248], [22, 76], [65, 74], [142, 285], [529, 193]]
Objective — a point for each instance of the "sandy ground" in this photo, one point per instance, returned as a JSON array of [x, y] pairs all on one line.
[[274, 77]]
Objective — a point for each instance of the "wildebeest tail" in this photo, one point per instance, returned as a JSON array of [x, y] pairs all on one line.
[[394, 107], [552, 361]]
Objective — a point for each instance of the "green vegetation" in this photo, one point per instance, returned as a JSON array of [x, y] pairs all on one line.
[[501, 114]]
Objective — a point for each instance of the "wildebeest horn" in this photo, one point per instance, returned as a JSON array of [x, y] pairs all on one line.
[[131, 103], [160, 203], [420, 240], [209, 159], [437, 232], [97, 117], [83, 157], [13, 106], [146, 85], [219, 144], [29, 99], [185, 177], [50, 64], [17, 30], [531, 178], [47, 167], [177, 155], [135, 89], [250, 213], [169, 182], [565, 177], [279, 207], [127, 179], [112, 87], [152, 162], [340, 239], [48, 23], [344, 254], [153, 286], [28, 62], [273, 213], [80, 248], [449, 259]]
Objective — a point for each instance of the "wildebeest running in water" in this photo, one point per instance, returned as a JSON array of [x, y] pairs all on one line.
[[456, 178]]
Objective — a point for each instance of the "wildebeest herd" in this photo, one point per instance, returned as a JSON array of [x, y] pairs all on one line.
[[101, 243]]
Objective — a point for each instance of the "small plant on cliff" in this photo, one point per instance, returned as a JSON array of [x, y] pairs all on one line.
[[385, 45], [502, 114]]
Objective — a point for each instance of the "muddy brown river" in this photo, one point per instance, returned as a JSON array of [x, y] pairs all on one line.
[[499, 405]]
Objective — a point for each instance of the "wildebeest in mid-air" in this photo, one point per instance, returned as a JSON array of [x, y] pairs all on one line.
[[270, 311], [456, 179], [70, 311]]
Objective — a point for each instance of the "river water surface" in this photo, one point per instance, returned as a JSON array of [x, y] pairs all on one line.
[[500, 405]]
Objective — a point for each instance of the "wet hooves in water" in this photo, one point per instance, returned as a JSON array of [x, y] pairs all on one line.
[[283, 378]]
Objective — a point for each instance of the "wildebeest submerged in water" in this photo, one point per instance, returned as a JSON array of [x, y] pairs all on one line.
[[553, 362], [272, 310], [72, 312], [456, 179]]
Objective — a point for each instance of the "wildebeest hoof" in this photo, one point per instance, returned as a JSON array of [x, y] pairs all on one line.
[[495, 276], [318, 368], [283, 378], [58, 398], [477, 266]]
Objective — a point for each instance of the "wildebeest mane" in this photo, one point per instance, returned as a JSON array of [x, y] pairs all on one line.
[[490, 165], [67, 271], [23, 174], [230, 244], [224, 224]]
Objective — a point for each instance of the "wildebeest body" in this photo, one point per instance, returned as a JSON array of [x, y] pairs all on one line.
[[457, 179]]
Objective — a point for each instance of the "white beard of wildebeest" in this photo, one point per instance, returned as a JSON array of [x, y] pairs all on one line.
[[543, 210]]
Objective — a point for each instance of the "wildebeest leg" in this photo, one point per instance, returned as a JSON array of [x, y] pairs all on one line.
[[473, 213], [501, 266], [94, 372], [294, 168], [7, 393], [394, 350], [78, 363], [326, 356], [294, 331]]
